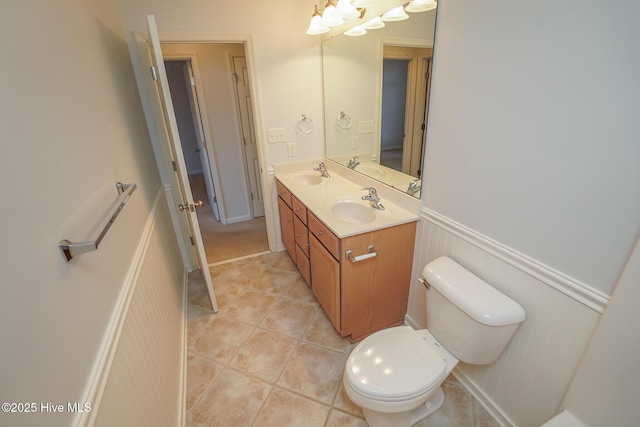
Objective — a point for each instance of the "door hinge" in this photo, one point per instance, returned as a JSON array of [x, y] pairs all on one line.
[[173, 164], [192, 242], [215, 199], [154, 73], [193, 81]]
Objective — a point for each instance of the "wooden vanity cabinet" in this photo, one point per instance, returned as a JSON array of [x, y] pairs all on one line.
[[295, 235], [367, 295], [359, 297]]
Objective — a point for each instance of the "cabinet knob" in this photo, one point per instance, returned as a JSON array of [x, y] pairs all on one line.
[[298, 235], [318, 233]]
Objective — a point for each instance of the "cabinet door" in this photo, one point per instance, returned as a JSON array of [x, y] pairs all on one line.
[[325, 276], [375, 290], [286, 228]]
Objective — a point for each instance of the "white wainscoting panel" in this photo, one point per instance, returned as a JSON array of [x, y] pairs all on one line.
[[142, 382], [525, 386]]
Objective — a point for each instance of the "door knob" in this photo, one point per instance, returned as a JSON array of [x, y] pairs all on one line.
[[192, 207]]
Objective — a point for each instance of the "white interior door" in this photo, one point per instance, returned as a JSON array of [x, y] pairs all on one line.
[[202, 144], [250, 146], [170, 140]]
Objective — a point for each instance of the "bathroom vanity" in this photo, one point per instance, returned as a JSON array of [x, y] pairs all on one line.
[[356, 259]]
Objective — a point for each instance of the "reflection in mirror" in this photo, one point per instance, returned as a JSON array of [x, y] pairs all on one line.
[[376, 116]]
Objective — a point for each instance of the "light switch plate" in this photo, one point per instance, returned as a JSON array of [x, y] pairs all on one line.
[[276, 135], [365, 126]]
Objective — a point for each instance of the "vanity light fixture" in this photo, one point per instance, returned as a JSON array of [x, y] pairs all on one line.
[[329, 16], [345, 10], [358, 30], [317, 26], [373, 24], [395, 14], [421, 5]]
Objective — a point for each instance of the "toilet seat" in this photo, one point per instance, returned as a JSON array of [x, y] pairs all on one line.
[[394, 364]]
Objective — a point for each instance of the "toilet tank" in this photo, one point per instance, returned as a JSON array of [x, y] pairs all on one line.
[[470, 318]]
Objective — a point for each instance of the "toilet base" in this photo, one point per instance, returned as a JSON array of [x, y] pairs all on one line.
[[405, 419]]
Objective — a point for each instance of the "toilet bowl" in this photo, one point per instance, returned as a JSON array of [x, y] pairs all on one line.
[[395, 375]]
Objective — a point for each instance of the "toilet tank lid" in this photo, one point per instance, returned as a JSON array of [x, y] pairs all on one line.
[[471, 294]]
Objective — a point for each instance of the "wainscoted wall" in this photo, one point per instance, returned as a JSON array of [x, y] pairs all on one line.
[[141, 373], [525, 386]]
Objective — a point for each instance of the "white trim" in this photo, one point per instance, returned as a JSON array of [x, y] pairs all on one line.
[[575, 289], [182, 411], [109, 345]]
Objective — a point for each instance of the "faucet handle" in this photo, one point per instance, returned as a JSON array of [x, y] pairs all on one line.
[[371, 190]]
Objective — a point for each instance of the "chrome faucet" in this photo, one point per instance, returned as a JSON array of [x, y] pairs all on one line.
[[413, 187], [322, 169], [373, 198], [352, 163]]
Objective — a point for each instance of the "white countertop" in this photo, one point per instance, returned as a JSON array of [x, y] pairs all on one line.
[[345, 185]]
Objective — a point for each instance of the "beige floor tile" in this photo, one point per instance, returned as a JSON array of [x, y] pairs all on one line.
[[314, 372], [289, 317], [274, 281], [457, 409], [251, 306], [300, 291], [284, 408], [340, 419], [201, 373], [221, 339], [270, 329], [232, 401], [345, 404], [322, 332], [264, 355]]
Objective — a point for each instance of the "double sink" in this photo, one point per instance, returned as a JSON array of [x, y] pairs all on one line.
[[337, 201]]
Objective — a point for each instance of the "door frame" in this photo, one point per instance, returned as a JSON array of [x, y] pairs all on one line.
[[249, 46], [210, 153]]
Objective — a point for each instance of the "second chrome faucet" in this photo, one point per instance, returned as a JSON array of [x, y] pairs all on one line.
[[322, 169], [373, 198]]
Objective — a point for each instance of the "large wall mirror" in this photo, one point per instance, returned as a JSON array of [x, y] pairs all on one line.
[[376, 100]]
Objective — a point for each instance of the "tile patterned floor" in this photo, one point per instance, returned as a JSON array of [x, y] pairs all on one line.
[[270, 356]]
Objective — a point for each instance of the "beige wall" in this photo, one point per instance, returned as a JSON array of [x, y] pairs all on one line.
[[71, 125]]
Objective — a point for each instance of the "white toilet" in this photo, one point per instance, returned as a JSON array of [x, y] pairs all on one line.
[[395, 375]]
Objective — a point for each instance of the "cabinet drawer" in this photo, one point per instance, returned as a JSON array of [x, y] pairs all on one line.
[[284, 193], [302, 235], [302, 262], [299, 209], [324, 235]]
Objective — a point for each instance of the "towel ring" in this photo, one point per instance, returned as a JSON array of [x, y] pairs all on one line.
[[343, 120], [305, 124]]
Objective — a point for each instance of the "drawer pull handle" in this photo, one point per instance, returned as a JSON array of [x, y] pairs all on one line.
[[298, 235], [319, 233], [370, 254]]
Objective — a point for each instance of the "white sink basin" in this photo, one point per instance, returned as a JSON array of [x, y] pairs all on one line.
[[306, 178], [354, 213]]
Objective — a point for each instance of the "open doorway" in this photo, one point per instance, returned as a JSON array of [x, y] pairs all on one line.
[[215, 124], [405, 99]]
